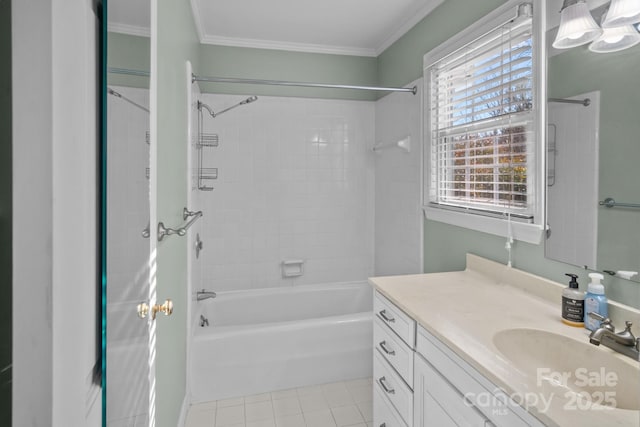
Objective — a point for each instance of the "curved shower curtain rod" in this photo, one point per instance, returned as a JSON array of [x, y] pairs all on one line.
[[413, 90], [195, 78]]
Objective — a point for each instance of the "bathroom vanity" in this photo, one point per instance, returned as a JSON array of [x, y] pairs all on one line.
[[486, 347]]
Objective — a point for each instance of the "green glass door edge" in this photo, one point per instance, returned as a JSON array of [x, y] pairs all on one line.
[[6, 217], [102, 208]]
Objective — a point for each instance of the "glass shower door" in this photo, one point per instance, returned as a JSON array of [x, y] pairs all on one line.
[[129, 261]]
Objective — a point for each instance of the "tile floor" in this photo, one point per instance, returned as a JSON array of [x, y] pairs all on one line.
[[340, 404]]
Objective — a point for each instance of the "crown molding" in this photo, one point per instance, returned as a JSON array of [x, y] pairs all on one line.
[[289, 46], [195, 10], [132, 30]]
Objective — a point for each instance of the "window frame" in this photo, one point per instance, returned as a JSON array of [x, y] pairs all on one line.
[[530, 232]]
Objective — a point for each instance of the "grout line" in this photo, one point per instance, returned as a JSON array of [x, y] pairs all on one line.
[[303, 413]]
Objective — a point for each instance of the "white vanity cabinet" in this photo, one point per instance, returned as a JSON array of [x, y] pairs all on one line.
[[450, 392], [458, 349], [394, 335], [420, 382]]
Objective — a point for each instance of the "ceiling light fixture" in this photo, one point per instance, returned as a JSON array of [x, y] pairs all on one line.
[[615, 39], [577, 26], [622, 12]]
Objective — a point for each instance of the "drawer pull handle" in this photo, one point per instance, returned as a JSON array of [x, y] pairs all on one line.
[[383, 314], [383, 346], [383, 383]]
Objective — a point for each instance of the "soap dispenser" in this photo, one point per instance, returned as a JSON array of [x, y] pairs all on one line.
[[595, 301], [573, 303]]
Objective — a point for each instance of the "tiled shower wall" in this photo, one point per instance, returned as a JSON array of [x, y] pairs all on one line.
[[295, 181], [398, 211]]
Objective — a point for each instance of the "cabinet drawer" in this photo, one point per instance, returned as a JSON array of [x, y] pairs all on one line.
[[384, 414], [394, 350], [403, 325], [389, 383], [439, 404], [464, 377]]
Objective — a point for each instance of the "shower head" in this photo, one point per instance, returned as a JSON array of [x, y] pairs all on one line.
[[249, 99], [202, 105]]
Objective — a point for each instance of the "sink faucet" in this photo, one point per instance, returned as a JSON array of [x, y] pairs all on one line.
[[202, 295], [623, 342]]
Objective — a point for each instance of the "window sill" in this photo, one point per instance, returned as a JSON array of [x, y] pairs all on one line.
[[524, 232]]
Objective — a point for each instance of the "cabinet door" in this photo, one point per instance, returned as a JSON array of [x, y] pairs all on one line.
[[434, 414], [439, 404], [384, 414], [389, 383]]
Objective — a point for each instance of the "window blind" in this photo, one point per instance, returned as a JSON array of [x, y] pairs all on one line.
[[481, 124]]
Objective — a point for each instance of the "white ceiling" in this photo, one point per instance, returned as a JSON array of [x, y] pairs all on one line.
[[349, 27]]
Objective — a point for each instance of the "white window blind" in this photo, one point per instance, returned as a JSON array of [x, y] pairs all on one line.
[[481, 124]]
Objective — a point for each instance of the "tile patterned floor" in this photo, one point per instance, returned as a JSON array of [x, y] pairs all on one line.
[[341, 404]]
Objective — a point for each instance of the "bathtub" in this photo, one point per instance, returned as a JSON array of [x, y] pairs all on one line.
[[128, 382], [273, 339]]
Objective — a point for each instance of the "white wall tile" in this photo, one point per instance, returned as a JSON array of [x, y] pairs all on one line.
[[398, 215], [295, 182]]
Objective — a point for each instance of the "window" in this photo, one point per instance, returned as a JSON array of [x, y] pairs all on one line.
[[481, 141]]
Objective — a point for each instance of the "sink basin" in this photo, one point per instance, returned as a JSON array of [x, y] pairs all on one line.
[[587, 375]]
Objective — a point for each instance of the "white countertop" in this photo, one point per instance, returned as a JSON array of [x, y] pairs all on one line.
[[466, 309]]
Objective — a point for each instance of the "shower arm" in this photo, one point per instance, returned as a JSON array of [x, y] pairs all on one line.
[[202, 105]]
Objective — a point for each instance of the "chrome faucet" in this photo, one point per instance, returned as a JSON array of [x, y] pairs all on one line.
[[623, 342], [202, 295]]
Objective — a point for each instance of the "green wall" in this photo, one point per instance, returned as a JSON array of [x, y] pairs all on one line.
[[177, 43], [269, 64], [6, 281], [130, 52], [401, 63]]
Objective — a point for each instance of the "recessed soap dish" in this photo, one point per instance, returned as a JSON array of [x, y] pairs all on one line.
[[292, 267]]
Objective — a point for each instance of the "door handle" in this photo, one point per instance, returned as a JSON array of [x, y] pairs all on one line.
[[166, 308]]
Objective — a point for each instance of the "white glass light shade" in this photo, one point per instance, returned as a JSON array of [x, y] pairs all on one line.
[[577, 27], [615, 39], [622, 12]]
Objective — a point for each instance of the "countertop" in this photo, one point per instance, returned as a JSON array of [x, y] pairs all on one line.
[[466, 309]]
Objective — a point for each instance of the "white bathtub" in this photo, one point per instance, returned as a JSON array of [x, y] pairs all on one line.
[[274, 339], [128, 382]]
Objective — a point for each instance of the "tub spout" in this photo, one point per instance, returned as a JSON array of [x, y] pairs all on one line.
[[202, 295]]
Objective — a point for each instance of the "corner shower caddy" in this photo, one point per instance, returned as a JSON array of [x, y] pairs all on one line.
[[204, 140]]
